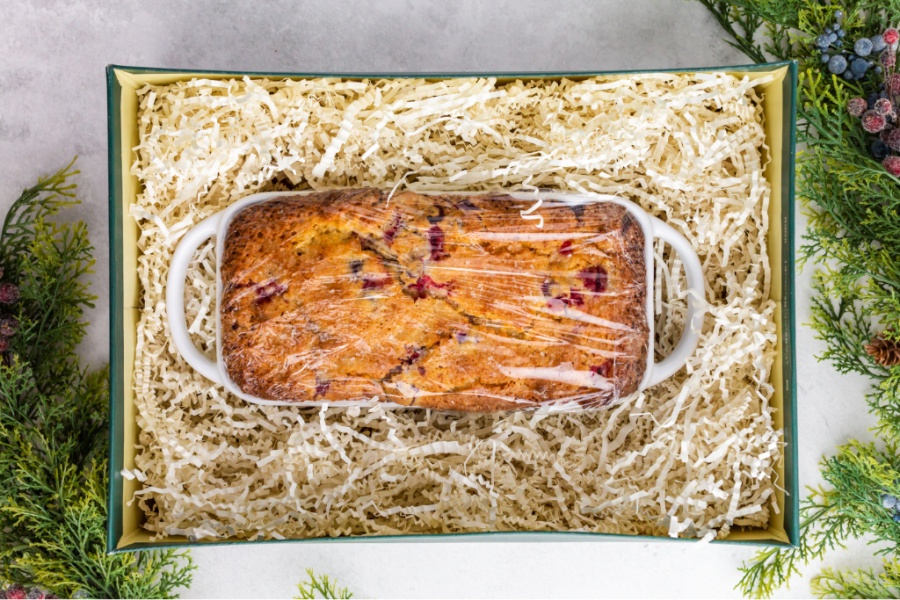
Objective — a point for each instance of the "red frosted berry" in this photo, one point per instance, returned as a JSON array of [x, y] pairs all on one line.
[[595, 278], [4, 344], [883, 107], [857, 106], [888, 58], [873, 122], [322, 387], [892, 139], [890, 35], [9, 293], [891, 164], [9, 325], [16, 592]]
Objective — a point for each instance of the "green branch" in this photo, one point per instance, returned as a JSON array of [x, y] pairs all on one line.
[[853, 236], [320, 587], [53, 419], [740, 24]]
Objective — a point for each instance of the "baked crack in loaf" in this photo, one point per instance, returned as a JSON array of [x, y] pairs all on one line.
[[440, 301]]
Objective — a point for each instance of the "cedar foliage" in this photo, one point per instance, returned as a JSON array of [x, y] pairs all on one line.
[[321, 586], [853, 238], [54, 419]]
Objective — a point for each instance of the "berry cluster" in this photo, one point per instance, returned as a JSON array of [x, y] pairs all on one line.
[[9, 325], [852, 64], [19, 592], [878, 113], [892, 504]]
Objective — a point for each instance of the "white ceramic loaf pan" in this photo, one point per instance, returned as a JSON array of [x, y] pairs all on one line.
[[217, 226]]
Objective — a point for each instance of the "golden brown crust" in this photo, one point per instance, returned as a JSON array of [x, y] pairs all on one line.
[[449, 302]]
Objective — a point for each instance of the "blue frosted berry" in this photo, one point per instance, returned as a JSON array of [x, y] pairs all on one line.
[[859, 67], [888, 501], [880, 151], [825, 59], [848, 75], [822, 42], [863, 47], [878, 43], [839, 44], [841, 33], [828, 30], [838, 14], [837, 64], [879, 70], [897, 518]]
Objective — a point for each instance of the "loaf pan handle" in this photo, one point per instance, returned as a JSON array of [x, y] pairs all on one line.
[[695, 299], [181, 260]]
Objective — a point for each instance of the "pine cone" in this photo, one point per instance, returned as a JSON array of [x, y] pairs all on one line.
[[884, 351]]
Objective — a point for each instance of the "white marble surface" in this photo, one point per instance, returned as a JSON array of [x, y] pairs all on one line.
[[53, 105]]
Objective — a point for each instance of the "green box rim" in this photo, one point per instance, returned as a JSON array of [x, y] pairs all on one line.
[[117, 383]]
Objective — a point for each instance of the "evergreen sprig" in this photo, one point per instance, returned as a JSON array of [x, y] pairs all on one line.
[[860, 583], [320, 587], [853, 237], [53, 419], [850, 507]]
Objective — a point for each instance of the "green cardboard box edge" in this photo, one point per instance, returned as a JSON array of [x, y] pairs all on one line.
[[117, 383]]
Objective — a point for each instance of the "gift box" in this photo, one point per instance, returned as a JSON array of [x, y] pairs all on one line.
[[125, 533]]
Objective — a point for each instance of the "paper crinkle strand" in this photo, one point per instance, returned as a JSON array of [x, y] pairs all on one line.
[[691, 457]]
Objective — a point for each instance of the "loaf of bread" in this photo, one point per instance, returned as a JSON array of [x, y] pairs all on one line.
[[449, 302]]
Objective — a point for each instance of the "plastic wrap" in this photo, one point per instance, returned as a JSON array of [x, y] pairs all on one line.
[[457, 302]]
